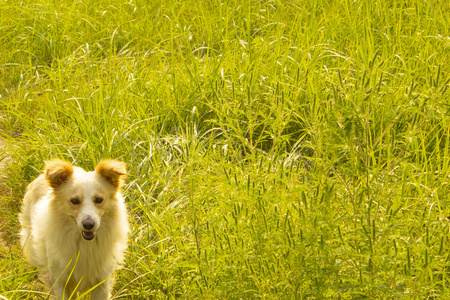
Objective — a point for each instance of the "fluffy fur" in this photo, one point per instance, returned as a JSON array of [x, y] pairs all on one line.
[[75, 226]]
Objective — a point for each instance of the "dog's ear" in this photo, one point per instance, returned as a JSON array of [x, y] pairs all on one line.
[[57, 172], [112, 171]]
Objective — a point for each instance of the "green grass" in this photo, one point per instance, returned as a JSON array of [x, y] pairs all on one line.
[[276, 149]]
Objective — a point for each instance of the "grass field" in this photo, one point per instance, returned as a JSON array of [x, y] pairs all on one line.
[[276, 149]]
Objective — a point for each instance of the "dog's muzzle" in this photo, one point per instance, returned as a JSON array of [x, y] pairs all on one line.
[[89, 225]]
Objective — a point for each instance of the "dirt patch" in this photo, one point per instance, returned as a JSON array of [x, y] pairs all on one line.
[[4, 159]]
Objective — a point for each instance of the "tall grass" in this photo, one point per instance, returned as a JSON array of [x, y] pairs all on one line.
[[276, 149]]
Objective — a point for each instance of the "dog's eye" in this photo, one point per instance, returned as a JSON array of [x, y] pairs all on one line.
[[75, 201], [98, 200]]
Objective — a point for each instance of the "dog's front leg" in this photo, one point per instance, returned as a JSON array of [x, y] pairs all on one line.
[[61, 293], [61, 286], [102, 292]]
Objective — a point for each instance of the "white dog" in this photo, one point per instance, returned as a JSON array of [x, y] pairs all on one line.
[[75, 226]]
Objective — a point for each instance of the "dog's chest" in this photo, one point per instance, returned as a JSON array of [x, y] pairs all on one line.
[[90, 262]]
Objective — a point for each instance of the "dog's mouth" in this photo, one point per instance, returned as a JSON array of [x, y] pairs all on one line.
[[88, 235]]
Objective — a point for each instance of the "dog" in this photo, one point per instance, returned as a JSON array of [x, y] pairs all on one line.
[[75, 227]]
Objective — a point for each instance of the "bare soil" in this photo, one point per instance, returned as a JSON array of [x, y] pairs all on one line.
[[4, 159]]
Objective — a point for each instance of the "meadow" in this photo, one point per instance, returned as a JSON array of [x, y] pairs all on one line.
[[275, 149]]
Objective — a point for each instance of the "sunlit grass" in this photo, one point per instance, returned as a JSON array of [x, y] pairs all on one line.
[[275, 149]]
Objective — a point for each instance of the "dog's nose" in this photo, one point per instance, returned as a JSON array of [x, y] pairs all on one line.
[[88, 223]]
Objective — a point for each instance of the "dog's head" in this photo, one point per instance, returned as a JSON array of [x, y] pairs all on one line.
[[85, 196]]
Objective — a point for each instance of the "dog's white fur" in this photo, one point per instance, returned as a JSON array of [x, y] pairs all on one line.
[[75, 226]]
